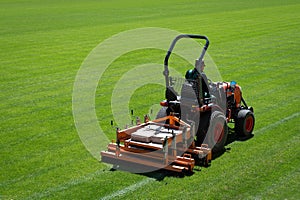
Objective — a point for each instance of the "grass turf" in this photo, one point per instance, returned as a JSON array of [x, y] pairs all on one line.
[[43, 45]]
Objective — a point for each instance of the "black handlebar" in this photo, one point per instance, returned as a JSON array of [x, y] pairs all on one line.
[[166, 62]]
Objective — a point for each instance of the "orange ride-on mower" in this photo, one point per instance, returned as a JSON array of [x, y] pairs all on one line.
[[190, 126]]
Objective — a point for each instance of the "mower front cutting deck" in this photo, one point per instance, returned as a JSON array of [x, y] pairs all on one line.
[[157, 145]]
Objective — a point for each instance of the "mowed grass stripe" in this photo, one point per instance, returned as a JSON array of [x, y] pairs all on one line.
[[67, 185], [278, 188], [33, 50], [51, 15]]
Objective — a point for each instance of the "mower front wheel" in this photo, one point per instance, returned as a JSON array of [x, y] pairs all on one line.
[[244, 124]]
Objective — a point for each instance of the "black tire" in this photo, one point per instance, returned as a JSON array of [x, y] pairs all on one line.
[[203, 127], [217, 133], [244, 123]]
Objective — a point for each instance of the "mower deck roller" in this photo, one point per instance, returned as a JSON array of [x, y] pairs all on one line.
[[155, 145]]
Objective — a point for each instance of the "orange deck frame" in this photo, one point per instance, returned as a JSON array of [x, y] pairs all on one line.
[[155, 145]]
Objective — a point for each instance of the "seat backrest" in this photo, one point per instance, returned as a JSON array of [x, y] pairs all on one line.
[[171, 94], [190, 93]]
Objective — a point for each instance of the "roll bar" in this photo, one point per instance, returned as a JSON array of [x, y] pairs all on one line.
[[197, 66]]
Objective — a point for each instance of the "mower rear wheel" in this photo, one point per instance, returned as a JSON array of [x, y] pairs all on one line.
[[216, 136], [244, 123]]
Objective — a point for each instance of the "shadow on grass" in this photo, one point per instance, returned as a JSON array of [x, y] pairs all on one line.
[[158, 174], [232, 137]]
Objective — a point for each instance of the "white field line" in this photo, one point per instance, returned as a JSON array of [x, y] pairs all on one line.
[[131, 188], [148, 180], [277, 123], [65, 186]]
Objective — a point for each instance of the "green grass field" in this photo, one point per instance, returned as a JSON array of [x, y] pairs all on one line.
[[43, 44]]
